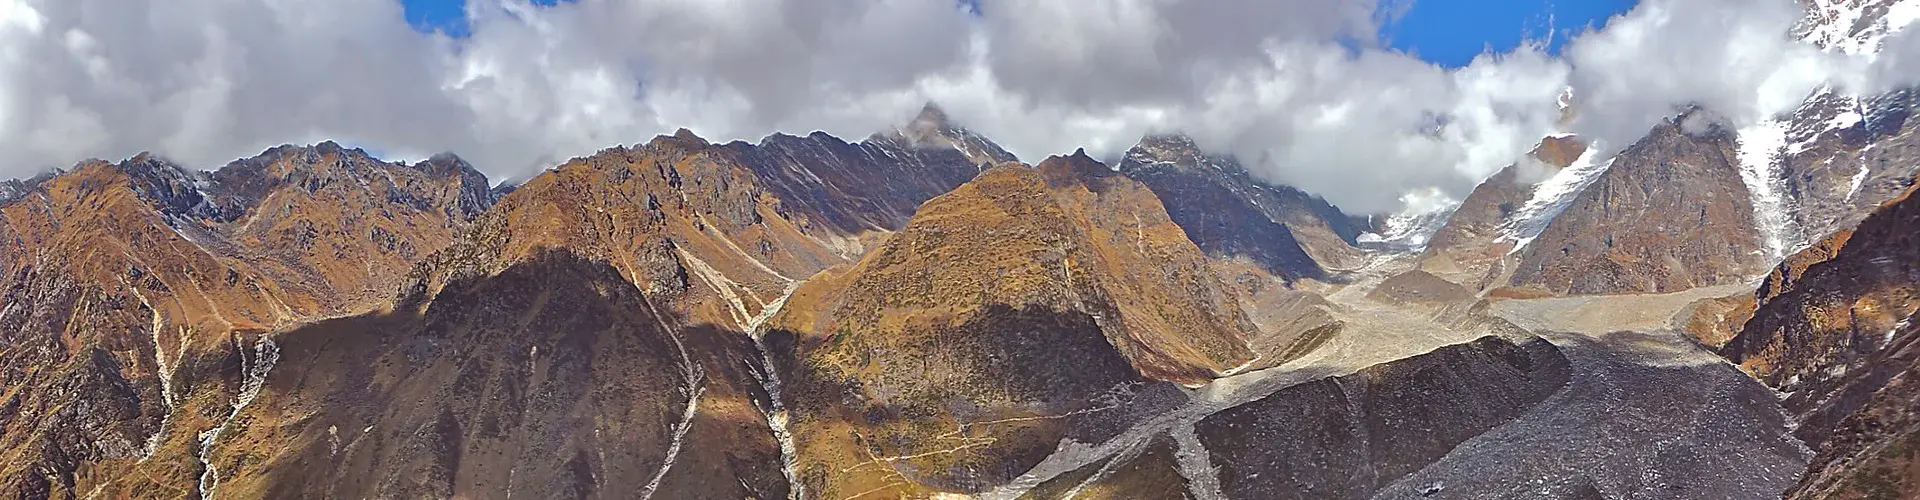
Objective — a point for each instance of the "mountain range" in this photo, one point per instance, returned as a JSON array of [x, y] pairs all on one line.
[[1710, 312]]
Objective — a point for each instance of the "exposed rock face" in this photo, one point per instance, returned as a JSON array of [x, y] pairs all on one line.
[[1866, 434], [1229, 214], [1834, 303], [1834, 329], [1844, 157], [1670, 214], [960, 353], [1715, 321], [841, 181], [1347, 437], [1470, 248]]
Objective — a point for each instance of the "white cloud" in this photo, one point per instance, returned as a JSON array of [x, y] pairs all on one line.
[[1297, 89], [1736, 58]]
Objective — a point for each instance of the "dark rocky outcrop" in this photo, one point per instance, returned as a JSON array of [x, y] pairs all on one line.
[[1834, 330]]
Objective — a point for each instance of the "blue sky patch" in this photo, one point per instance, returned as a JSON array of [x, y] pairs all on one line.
[[1451, 32], [445, 16]]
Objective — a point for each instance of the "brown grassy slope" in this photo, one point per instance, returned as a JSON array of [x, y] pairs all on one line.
[[103, 300], [160, 278], [705, 236], [1020, 297]]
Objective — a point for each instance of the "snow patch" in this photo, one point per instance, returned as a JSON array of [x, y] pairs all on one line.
[[1887, 340], [1901, 14], [1552, 196], [163, 372], [1832, 22], [1845, 119], [1859, 178], [679, 436], [1759, 155], [1425, 213]]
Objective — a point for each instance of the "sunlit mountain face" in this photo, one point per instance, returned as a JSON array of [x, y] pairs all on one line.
[[1000, 249]]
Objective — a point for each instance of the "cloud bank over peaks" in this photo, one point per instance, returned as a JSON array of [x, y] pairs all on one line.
[[1300, 91]]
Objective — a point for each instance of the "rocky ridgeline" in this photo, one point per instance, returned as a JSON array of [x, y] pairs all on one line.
[[1230, 214], [1833, 330]]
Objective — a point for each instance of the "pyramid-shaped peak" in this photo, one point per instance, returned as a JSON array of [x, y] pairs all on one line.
[[932, 116]]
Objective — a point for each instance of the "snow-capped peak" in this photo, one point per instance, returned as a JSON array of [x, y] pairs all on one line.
[[1552, 196], [1426, 213]]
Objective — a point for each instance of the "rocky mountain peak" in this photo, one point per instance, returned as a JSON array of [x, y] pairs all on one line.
[[1229, 213], [931, 120], [1175, 151], [1074, 169], [13, 189], [172, 189], [933, 129], [1854, 26], [476, 191], [682, 139]]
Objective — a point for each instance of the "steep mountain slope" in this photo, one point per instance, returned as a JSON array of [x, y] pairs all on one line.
[[553, 378], [1839, 158], [1229, 214], [1806, 174], [1834, 330], [731, 225], [571, 301], [1006, 314], [135, 290], [840, 181], [1472, 249], [1671, 213]]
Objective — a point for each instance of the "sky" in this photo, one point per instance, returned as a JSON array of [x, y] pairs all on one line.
[[1446, 32], [1452, 32], [1370, 103]]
